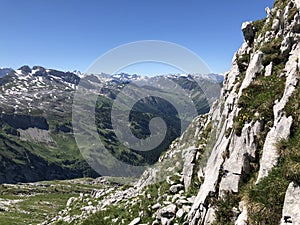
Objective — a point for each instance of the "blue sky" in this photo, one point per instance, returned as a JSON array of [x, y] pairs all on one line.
[[71, 34]]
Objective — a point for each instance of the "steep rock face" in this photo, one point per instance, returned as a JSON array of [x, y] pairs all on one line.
[[233, 152], [183, 151], [291, 208]]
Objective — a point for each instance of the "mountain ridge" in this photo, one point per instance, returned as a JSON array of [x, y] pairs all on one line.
[[36, 109], [5, 71]]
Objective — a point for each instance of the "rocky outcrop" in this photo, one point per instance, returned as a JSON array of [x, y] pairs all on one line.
[[291, 208], [249, 32], [135, 221], [282, 124], [232, 153], [241, 152], [279, 131], [243, 217], [297, 3], [36, 135]]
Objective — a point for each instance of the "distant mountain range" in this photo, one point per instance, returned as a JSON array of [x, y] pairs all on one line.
[[5, 71], [36, 138]]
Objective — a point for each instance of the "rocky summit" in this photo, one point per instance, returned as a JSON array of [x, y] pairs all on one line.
[[237, 164]]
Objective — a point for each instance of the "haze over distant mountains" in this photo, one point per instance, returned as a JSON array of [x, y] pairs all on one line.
[[36, 127], [5, 71]]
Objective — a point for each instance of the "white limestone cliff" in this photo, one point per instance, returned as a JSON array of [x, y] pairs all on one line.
[[231, 154]]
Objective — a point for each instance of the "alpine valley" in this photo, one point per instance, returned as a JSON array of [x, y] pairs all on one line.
[[37, 142]]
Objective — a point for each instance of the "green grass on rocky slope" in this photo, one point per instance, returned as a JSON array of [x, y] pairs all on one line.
[[37, 202], [127, 211], [31, 161], [265, 200]]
